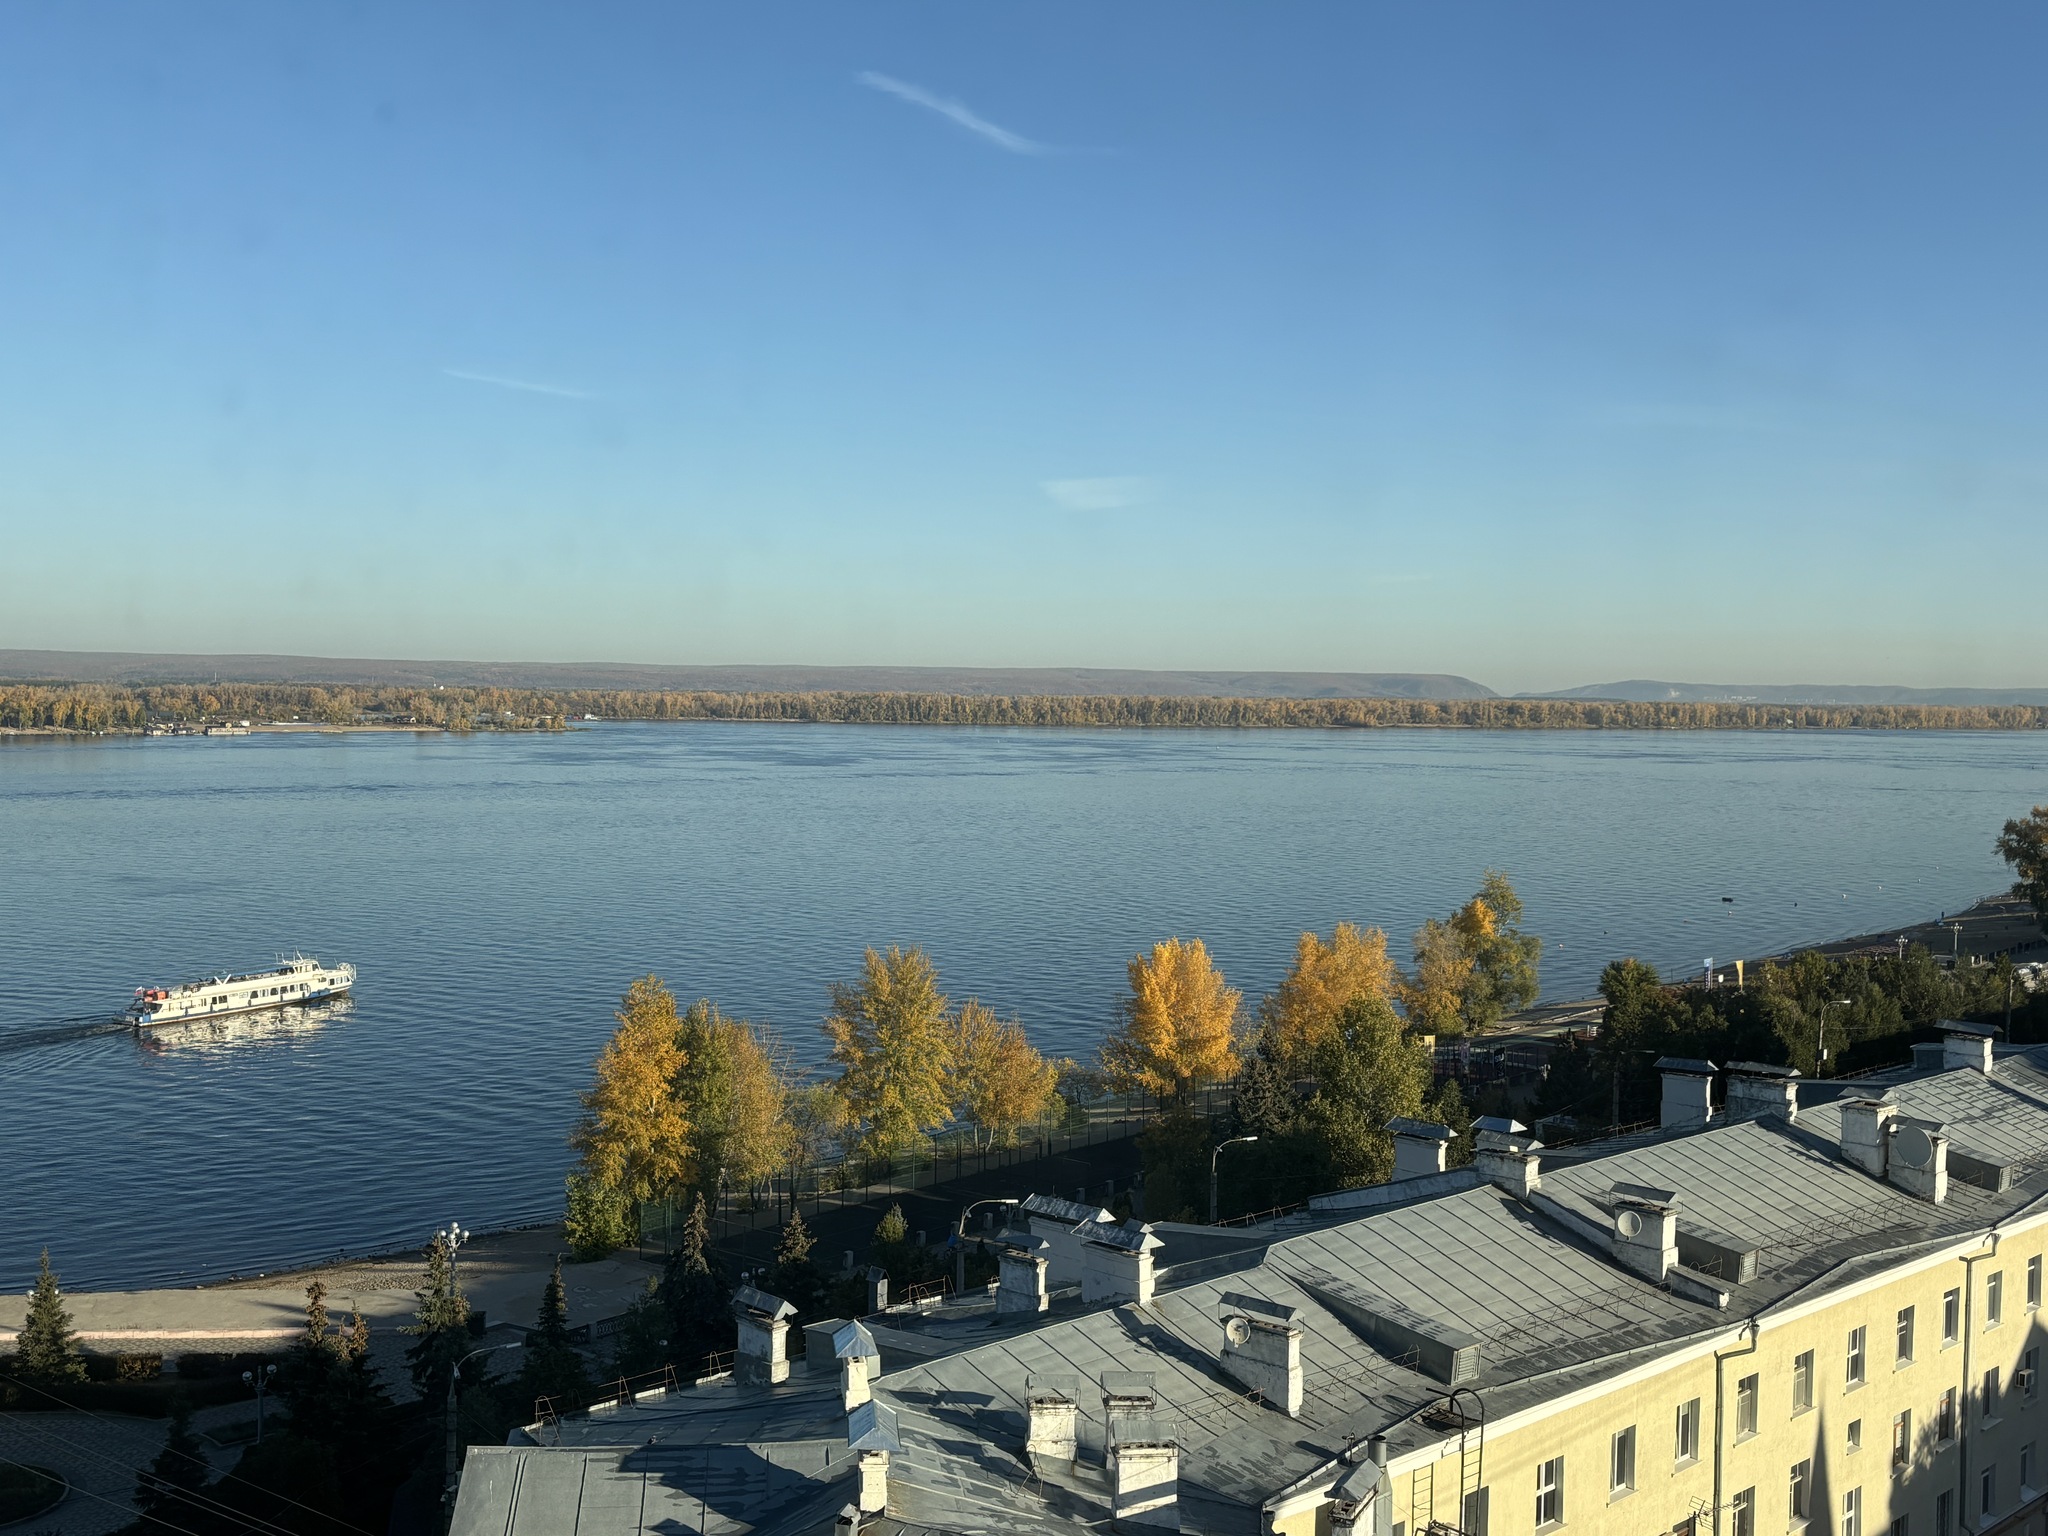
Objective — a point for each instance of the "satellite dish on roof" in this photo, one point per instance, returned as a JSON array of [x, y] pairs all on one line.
[[1914, 1147], [1628, 1223], [1237, 1329]]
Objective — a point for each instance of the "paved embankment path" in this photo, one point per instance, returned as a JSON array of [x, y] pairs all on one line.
[[503, 1273]]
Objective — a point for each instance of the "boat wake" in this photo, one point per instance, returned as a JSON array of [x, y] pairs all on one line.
[[34, 1034]]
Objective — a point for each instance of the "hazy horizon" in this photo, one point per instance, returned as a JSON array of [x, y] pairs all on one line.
[[1543, 347]]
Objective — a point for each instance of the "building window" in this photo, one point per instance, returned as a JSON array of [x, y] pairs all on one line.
[[1987, 1490], [1951, 1316], [1550, 1493], [1473, 1521], [1802, 1382], [1855, 1434], [1905, 1336], [1745, 1513], [1802, 1491], [1898, 1525], [2034, 1281], [1622, 1462], [1745, 1407], [1856, 1356], [1991, 1393], [1994, 1298], [2030, 1365], [1902, 1439], [1945, 1513], [1687, 1446], [1945, 1416], [2026, 1468], [1852, 1513]]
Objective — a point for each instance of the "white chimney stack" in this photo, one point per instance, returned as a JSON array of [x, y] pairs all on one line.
[[1645, 1229], [1119, 1261], [1420, 1147], [1866, 1129], [1756, 1089], [1262, 1348], [1053, 1403], [1688, 1093], [859, 1358], [1144, 1472], [1506, 1156], [1918, 1159], [1966, 1045], [762, 1357], [1023, 1286], [871, 1435]]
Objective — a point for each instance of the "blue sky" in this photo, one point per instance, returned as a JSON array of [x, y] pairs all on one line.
[[1547, 344]]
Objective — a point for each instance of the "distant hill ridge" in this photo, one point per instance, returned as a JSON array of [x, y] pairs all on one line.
[[134, 668]]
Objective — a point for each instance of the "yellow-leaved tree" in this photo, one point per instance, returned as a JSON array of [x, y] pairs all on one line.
[[1476, 967], [1179, 1025], [734, 1087], [634, 1137], [1001, 1080], [1301, 1013], [893, 1040]]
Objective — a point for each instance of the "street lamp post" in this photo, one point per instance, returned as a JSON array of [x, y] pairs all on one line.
[[259, 1380], [1820, 1039], [454, 1237], [960, 1241], [454, 1376], [1213, 1185]]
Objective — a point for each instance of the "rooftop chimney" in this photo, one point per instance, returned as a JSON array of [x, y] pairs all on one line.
[[1144, 1472], [1506, 1156], [859, 1360], [1361, 1503], [762, 1358], [1966, 1045], [1688, 1092], [1645, 1235], [1127, 1392], [1023, 1269], [878, 1289], [1119, 1261], [1919, 1159], [1053, 1403], [871, 1435], [1262, 1348], [1420, 1147], [1865, 1132], [1756, 1089]]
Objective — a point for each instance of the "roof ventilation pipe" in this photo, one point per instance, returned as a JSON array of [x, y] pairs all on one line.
[[1023, 1286], [1688, 1101], [1119, 1261], [1144, 1472], [1756, 1089], [1361, 1503], [871, 1435], [1420, 1147], [1506, 1156], [859, 1363]]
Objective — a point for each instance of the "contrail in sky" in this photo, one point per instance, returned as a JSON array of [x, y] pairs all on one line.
[[957, 111], [505, 383]]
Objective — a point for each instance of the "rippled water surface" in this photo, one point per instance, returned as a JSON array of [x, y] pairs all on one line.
[[497, 894]]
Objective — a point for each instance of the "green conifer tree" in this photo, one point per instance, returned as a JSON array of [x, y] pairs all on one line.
[[440, 1324], [696, 1295], [46, 1351], [180, 1469], [553, 1368]]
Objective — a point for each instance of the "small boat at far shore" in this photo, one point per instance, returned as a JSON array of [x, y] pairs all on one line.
[[292, 982]]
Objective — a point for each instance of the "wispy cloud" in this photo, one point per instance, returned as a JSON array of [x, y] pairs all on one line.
[[955, 111], [526, 384], [1101, 495]]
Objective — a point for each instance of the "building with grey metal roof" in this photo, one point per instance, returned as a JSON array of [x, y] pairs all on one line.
[[1232, 1396]]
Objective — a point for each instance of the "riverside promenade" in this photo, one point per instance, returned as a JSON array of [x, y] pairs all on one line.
[[502, 1273]]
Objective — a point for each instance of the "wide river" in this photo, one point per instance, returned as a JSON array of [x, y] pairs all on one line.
[[498, 893]]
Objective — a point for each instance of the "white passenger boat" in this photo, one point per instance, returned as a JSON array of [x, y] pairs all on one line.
[[297, 980]]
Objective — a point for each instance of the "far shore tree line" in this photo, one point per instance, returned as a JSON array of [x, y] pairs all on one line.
[[97, 707]]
